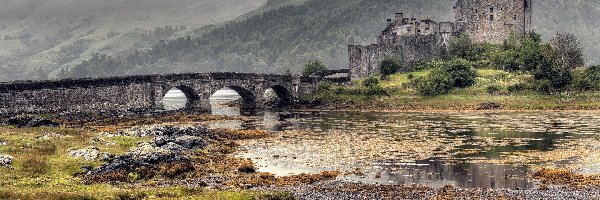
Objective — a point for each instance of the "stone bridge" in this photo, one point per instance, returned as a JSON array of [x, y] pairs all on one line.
[[145, 92]]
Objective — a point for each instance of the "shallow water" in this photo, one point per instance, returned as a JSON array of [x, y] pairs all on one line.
[[487, 150]]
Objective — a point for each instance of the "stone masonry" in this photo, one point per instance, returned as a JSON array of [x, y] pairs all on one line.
[[145, 92], [493, 21]]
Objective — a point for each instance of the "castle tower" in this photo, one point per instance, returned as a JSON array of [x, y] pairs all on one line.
[[493, 20]]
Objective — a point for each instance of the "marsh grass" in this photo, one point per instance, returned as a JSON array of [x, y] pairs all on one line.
[[34, 165]]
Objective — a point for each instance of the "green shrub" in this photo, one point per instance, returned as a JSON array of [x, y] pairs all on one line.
[[313, 67], [493, 89], [324, 86], [460, 72], [463, 47], [453, 73], [375, 91], [390, 66], [410, 76], [432, 85], [583, 84], [587, 79], [517, 87], [506, 60], [544, 86], [593, 73], [370, 82]]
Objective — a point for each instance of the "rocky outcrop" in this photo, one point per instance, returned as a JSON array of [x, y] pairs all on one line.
[[88, 153], [30, 121], [165, 155]]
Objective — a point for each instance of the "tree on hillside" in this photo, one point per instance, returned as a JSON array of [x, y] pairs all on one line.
[[313, 67], [559, 58], [568, 50], [463, 47], [530, 55]]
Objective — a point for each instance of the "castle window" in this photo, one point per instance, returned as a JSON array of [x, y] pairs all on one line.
[[492, 10], [515, 17], [491, 18]]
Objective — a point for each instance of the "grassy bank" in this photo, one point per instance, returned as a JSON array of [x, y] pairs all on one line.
[[495, 86], [44, 169]]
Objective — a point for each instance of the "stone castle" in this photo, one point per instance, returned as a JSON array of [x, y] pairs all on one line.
[[412, 40]]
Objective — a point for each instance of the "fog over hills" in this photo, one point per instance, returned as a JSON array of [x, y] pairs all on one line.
[[277, 36], [43, 35]]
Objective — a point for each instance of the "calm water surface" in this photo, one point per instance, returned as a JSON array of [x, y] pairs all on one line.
[[487, 150]]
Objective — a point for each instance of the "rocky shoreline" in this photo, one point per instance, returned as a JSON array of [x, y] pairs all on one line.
[[183, 153]]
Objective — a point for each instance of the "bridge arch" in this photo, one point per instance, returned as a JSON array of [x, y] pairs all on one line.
[[247, 101], [191, 97], [284, 96]]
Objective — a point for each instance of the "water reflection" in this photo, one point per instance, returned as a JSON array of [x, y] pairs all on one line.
[[225, 102], [436, 173], [434, 149], [174, 99]]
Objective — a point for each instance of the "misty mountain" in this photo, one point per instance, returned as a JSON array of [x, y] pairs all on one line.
[[37, 37], [272, 42], [287, 36], [284, 34]]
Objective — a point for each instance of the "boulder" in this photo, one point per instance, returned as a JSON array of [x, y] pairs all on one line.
[[88, 153], [6, 161]]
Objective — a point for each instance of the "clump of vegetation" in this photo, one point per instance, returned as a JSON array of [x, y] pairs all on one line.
[[463, 47], [240, 134], [174, 169], [551, 64], [371, 82], [564, 177], [493, 89], [390, 66], [454, 73], [34, 165], [247, 167], [313, 67], [265, 179], [518, 87]]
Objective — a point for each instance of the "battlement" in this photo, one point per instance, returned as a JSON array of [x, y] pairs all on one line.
[[401, 27]]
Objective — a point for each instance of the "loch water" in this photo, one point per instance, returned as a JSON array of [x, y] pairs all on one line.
[[464, 149]]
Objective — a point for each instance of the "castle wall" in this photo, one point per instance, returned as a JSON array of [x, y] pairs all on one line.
[[493, 21], [365, 60]]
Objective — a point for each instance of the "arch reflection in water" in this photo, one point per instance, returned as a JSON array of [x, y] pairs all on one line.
[[174, 99], [226, 102]]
